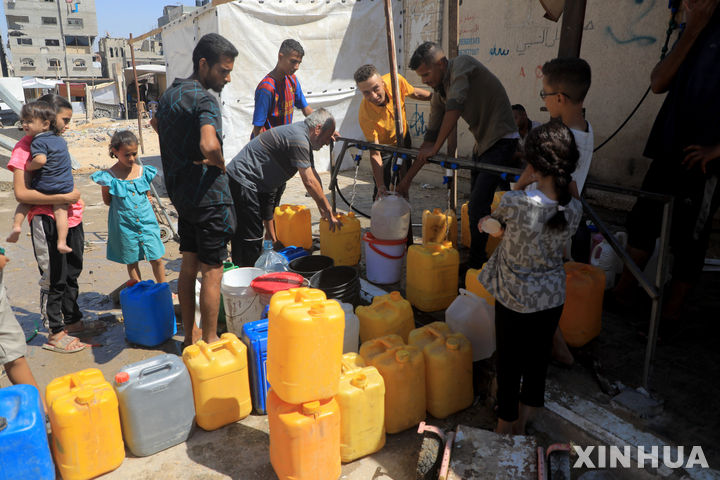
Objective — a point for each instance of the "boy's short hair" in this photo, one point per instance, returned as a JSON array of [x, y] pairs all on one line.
[[289, 46], [571, 75], [211, 47], [518, 107], [425, 53], [38, 109], [364, 72]]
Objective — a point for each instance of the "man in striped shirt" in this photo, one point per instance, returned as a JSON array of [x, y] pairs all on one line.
[[276, 97]]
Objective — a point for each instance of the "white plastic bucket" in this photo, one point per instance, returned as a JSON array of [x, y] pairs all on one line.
[[242, 304], [383, 259]]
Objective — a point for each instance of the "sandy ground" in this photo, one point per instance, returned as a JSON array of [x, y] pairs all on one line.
[[685, 375]]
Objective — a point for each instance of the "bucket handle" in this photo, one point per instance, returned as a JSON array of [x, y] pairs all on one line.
[[386, 255]]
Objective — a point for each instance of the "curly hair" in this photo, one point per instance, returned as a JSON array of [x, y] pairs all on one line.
[[552, 151]]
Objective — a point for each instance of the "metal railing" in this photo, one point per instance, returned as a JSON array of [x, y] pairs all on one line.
[[653, 288]]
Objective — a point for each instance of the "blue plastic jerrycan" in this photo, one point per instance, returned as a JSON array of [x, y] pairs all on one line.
[[24, 449], [148, 313], [254, 336]]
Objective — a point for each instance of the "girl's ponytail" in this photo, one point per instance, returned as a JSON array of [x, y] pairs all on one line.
[[552, 151]]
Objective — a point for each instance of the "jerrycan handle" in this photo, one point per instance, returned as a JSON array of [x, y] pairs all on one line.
[[154, 369], [597, 248], [3, 423], [468, 293]]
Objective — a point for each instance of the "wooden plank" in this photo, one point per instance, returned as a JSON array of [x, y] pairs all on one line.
[[484, 455], [142, 37]]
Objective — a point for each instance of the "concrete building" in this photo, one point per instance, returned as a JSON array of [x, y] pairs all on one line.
[[116, 51], [173, 12], [52, 38]]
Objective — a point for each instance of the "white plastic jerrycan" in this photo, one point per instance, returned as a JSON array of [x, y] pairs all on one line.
[[390, 217], [473, 317], [351, 339], [604, 257]]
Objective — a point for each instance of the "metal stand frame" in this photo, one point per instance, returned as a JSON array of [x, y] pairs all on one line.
[[654, 290]]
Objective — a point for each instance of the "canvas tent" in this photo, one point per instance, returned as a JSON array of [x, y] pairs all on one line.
[[338, 36]]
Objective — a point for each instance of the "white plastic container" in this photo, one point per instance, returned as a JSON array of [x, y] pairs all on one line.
[[390, 217], [351, 340], [605, 258], [473, 317], [383, 259], [241, 303], [156, 404]]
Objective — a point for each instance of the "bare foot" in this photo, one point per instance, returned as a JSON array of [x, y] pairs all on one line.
[[63, 248], [14, 236]]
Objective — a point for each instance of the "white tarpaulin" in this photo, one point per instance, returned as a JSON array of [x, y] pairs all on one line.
[[338, 36], [105, 93]]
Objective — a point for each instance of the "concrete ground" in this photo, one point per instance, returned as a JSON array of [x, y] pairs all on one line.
[[579, 410]]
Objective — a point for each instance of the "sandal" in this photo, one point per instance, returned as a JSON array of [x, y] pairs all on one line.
[[65, 345]]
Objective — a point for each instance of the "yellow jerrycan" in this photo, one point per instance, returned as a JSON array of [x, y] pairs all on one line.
[[293, 225], [473, 285], [219, 375], [304, 439], [448, 368], [581, 318], [402, 368], [493, 242], [343, 245], [439, 226], [386, 315], [305, 345], [362, 409], [85, 420], [432, 276]]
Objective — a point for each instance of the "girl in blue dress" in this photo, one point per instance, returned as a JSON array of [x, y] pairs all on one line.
[[133, 231]]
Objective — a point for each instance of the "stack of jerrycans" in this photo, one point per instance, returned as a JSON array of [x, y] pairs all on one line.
[[305, 343], [86, 437], [402, 368], [219, 375], [156, 404]]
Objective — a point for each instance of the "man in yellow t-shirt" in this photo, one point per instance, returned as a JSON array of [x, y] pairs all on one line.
[[377, 118]]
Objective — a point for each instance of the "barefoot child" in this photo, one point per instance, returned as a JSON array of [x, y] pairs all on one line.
[[51, 164], [133, 231], [526, 275]]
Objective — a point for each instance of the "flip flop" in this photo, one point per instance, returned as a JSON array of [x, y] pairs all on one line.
[[90, 328], [63, 345]]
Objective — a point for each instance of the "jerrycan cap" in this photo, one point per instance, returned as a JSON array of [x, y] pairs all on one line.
[[351, 214], [447, 244], [360, 380], [437, 211], [395, 295], [452, 343], [122, 377], [84, 396], [402, 356], [311, 408]]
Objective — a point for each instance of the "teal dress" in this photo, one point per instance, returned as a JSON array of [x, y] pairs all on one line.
[[133, 231]]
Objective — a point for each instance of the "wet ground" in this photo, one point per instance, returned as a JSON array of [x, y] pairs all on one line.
[[685, 374]]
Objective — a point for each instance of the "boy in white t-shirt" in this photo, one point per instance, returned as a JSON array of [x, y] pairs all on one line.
[[566, 82]]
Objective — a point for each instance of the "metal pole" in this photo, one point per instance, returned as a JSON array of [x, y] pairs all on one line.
[[332, 190], [453, 46], [137, 91], [572, 28], [399, 133], [656, 310]]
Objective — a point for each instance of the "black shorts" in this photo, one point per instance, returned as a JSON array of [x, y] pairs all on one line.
[[206, 231]]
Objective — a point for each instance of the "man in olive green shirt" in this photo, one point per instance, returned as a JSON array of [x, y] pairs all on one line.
[[465, 88]]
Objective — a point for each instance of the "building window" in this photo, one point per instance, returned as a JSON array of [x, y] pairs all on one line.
[[14, 19], [79, 62], [54, 62], [27, 62], [52, 43], [75, 41], [75, 22], [111, 53], [49, 20], [24, 41]]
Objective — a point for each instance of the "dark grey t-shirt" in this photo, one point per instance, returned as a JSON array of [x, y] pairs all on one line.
[[273, 157]]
